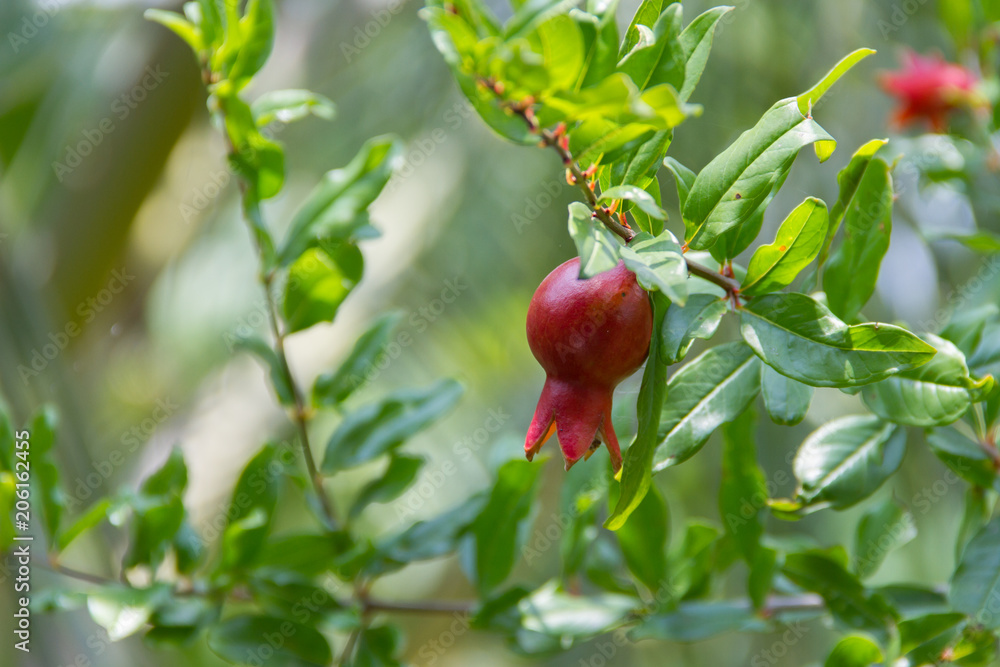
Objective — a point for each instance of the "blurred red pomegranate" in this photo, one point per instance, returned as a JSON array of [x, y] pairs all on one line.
[[929, 89], [588, 335]]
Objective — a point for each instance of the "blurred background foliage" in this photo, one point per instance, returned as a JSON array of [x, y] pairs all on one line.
[[468, 216]]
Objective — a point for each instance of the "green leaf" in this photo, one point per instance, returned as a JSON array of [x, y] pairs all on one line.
[[643, 540], [698, 318], [658, 264], [554, 613], [633, 193], [854, 651], [636, 474], [94, 515], [502, 522], [694, 562], [729, 190], [335, 209], [379, 428], [964, 456], [985, 243], [658, 56], [883, 527], [596, 246], [711, 390], [44, 471], [531, 14], [934, 394], [288, 106], [743, 490], [259, 160], [923, 638], [683, 177], [975, 586], [786, 400], [850, 276], [761, 578], [290, 643], [317, 285], [398, 476], [377, 646], [639, 166], [257, 29], [799, 239], [179, 25], [332, 389], [645, 15], [279, 380], [250, 509], [600, 37], [807, 100], [847, 459], [262, 235], [562, 51], [599, 139], [696, 621], [304, 553], [846, 598], [801, 338], [696, 40], [158, 513]]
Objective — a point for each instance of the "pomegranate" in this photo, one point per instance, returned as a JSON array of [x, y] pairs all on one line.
[[929, 89], [588, 335]]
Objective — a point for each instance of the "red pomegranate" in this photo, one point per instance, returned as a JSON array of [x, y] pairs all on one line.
[[588, 335]]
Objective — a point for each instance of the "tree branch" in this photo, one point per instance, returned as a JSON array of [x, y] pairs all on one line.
[[581, 179]]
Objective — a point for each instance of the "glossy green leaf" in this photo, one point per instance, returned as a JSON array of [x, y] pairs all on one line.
[[934, 394], [562, 51], [801, 338], [732, 186], [332, 389], [290, 105], [851, 273], [706, 393], [698, 318], [847, 459], [378, 646], [645, 16], [316, 287], [597, 247], [658, 264], [683, 178], [251, 508], [696, 40], [636, 474], [257, 28], [179, 25], [923, 638], [94, 515], [335, 209], [533, 13], [848, 180], [696, 621], [502, 522], [884, 527], [964, 456], [786, 400], [643, 540], [602, 140], [637, 196], [854, 651], [380, 427], [975, 586], [640, 165], [158, 513], [693, 562], [797, 243], [600, 38], [398, 476], [658, 56], [807, 100], [760, 581], [743, 490], [292, 644]]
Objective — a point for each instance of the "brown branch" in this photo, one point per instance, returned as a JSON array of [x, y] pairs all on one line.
[[579, 177]]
